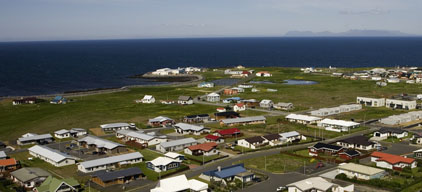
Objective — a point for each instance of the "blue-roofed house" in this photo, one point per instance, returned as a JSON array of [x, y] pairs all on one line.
[[228, 174], [232, 100], [59, 100]]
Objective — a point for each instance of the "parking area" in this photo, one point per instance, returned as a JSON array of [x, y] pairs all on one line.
[[73, 149], [399, 148]]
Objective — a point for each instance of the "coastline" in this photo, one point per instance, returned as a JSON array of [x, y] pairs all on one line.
[[97, 91]]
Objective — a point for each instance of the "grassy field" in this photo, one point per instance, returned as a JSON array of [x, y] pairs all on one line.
[[368, 113], [279, 163]]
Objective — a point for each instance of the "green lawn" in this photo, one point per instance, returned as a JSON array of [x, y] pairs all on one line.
[[279, 163], [368, 113]]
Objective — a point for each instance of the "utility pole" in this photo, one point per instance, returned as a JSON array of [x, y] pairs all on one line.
[[304, 167], [265, 163]]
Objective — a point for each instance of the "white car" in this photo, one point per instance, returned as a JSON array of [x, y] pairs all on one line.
[[281, 188]]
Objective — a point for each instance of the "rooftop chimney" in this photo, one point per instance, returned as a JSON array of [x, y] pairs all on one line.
[[219, 168]]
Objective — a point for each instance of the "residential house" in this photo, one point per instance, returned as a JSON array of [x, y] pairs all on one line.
[[292, 136], [29, 177], [318, 184], [206, 84], [230, 91], [349, 154], [263, 74], [175, 156], [417, 138], [363, 172], [59, 100], [3, 155], [147, 99], [179, 184], [120, 177], [113, 127], [245, 86], [389, 161], [160, 121], [336, 110], [231, 100], [283, 106], [108, 163], [52, 156], [78, 131], [101, 145], [74, 132], [252, 142], [7, 165], [371, 102], [303, 119], [239, 107], [184, 128], [386, 132], [250, 103], [400, 104], [244, 121], [140, 137], [323, 148], [229, 174], [201, 118], [402, 118], [273, 139], [176, 145], [239, 89], [206, 149], [161, 164], [226, 115], [213, 97], [52, 184], [357, 142], [214, 138], [221, 109], [166, 72], [27, 100], [225, 133], [32, 138], [185, 100], [417, 154], [337, 125], [266, 103]]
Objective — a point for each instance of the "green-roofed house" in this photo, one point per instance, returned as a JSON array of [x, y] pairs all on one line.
[[52, 184]]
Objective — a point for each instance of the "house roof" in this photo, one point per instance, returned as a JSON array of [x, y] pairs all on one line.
[[239, 105], [204, 146], [226, 171], [266, 101], [35, 137], [351, 152], [196, 185], [189, 127], [49, 153], [272, 137], [391, 130], [28, 173], [78, 129], [366, 170], [136, 134], [392, 159], [230, 131], [184, 98], [172, 184], [160, 119], [106, 176], [256, 139], [212, 137], [213, 95], [114, 125], [2, 154], [148, 97], [360, 140], [244, 119], [111, 160], [172, 155], [178, 142], [8, 162], [51, 184], [227, 113], [92, 140], [339, 122], [302, 117], [312, 183], [290, 134], [326, 146], [162, 161], [61, 131], [197, 116]]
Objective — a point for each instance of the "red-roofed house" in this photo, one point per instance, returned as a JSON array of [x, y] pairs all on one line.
[[264, 74], [206, 149], [214, 138], [239, 107], [390, 161], [7, 165], [232, 132]]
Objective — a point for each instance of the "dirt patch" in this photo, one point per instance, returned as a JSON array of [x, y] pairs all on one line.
[[97, 131]]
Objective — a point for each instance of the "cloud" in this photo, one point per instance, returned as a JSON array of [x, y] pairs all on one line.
[[376, 11]]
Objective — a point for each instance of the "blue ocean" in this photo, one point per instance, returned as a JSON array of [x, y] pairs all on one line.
[[33, 68]]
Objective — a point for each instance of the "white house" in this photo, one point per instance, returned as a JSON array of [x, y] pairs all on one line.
[[400, 104], [386, 132], [117, 126], [52, 156], [283, 106], [33, 138], [292, 136], [239, 107], [389, 161], [180, 183], [140, 137], [393, 80], [213, 97], [263, 74], [303, 119], [318, 184], [206, 84], [336, 110], [252, 142], [337, 125], [166, 71], [352, 170], [206, 149], [110, 162], [185, 100], [160, 164], [148, 99], [266, 103], [402, 118], [175, 145], [357, 142], [79, 131], [184, 128], [74, 132], [371, 102]]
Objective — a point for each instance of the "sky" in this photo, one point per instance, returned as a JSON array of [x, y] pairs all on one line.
[[35, 20]]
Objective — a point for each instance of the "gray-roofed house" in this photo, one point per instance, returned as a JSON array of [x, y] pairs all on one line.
[[101, 145], [283, 106], [140, 137], [32, 138], [52, 156], [386, 132], [3, 155], [29, 177], [363, 172], [318, 184], [160, 164], [185, 100], [184, 128], [292, 136], [176, 145], [74, 132], [160, 121], [110, 162], [113, 127], [244, 121], [109, 178]]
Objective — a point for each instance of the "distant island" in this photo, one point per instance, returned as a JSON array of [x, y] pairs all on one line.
[[350, 33]]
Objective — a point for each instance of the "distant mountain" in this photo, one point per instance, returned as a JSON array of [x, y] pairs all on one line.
[[350, 33]]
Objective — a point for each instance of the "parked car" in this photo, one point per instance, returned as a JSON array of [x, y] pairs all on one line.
[[281, 188]]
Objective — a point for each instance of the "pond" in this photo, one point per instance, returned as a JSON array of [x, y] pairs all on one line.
[[299, 82], [261, 82]]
